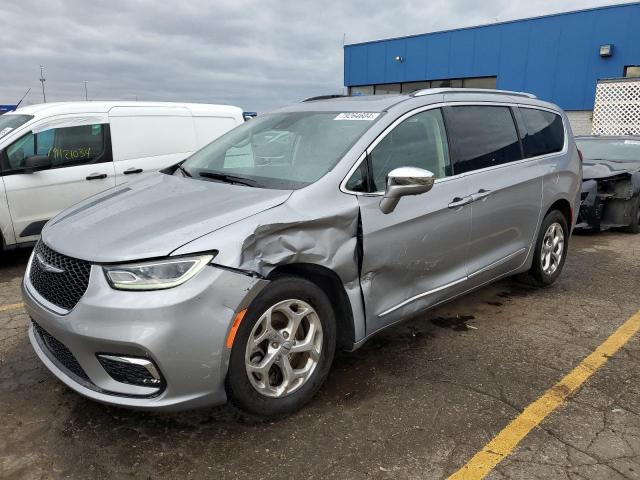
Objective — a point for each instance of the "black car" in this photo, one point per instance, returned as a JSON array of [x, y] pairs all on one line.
[[611, 183]]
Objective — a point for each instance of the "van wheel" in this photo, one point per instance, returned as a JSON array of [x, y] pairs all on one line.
[[550, 249], [283, 349], [634, 227]]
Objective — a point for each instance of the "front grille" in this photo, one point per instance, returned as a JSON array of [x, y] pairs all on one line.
[[130, 373], [61, 353], [65, 288]]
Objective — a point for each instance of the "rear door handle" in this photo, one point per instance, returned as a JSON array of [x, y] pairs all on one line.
[[482, 193], [460, 202], [132, 170], [96, 176]]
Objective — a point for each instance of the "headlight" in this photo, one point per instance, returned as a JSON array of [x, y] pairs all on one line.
[[155, 275]]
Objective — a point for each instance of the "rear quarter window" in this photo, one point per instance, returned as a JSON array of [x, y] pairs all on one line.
[[543, 132]]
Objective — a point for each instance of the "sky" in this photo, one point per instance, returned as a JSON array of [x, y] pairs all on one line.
[[256, 54]]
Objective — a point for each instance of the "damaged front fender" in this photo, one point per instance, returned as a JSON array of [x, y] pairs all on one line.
[[292, 234]]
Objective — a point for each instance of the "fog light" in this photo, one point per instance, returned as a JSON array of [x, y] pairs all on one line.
[[131, 370]]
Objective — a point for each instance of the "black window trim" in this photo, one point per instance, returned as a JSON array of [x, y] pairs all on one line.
[[443, 105], [105, 157], [510, 108], [524, 131]]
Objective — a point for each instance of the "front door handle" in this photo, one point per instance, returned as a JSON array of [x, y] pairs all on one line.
[[482, 193], [460, 202], [96, 176], [132, 170]]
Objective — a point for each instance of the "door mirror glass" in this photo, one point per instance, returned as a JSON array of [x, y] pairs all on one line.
[[405, 181], [36, 162]]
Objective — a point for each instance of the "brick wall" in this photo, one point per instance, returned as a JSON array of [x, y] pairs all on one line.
[[581, 121]]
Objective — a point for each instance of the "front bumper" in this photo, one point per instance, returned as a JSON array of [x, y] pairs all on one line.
[[181, 330]]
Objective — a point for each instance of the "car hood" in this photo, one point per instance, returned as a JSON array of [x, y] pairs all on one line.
[[592, 169], [153, 217]]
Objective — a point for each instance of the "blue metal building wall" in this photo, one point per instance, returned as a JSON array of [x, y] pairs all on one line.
[[555, 57]]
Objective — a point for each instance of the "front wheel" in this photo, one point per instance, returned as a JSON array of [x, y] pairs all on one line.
[[550, 249], [283, 349]]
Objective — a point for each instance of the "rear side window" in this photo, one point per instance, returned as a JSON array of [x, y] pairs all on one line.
[[544, 132], [482, 136]]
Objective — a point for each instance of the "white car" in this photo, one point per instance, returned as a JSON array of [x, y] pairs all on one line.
[[54, 155]]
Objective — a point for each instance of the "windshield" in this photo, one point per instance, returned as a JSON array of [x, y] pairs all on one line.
[[620, 150], [282, 151], [10, 121]]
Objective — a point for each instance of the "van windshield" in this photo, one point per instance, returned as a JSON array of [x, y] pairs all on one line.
[[282, 150], [10, 121]]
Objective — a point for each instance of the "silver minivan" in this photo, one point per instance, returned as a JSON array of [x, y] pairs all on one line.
[[237, 273]]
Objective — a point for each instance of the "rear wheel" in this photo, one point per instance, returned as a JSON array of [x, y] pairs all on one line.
[[550, 249], [634, 227], [283, 350]]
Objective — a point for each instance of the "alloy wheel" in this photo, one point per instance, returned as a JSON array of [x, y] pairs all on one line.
[[552, 248], [284, 348]]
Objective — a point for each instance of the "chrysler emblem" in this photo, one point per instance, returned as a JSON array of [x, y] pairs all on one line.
[[47, 266]]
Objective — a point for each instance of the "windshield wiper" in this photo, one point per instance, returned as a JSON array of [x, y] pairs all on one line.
[[228, 178], [184, 170]]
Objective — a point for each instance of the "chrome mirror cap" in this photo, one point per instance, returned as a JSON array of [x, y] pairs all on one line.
[[405, 181]]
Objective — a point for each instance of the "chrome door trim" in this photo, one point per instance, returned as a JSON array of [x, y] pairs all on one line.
[[499, 262], [421, 295], [415, 111], [378, 139]]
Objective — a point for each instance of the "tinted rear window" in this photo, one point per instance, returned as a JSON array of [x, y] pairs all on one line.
[[483, 136], [544, 132]]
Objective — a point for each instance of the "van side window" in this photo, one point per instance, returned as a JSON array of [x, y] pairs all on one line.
[[544, 132], [419, 141], [358, 180], [483, 136], [65, 147]]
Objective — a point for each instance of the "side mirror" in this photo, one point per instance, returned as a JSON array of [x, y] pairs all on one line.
[[405, 181], [36, 162]]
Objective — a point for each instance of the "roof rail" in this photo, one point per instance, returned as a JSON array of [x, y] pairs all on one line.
[[323, 97], [431, 91]]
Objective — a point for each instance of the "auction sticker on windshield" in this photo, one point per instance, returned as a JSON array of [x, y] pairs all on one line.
[[368, 116]]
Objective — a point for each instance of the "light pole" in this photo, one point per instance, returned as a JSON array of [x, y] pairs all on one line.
[[86, 96], [42, 80]]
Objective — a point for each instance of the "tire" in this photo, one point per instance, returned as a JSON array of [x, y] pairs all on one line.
[[634, 227], [547, 272], [266, 397]]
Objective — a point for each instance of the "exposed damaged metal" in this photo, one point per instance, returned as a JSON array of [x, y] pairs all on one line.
[[611, 184]]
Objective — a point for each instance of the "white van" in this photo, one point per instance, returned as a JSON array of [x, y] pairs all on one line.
[[55, 154]]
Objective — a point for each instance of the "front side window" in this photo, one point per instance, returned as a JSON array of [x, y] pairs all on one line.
[[65, 147], [419, 141], [282, 150], [544, 132], [482, 136]]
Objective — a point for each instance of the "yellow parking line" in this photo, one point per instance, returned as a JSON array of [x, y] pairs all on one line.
[[11, 306], [503, 444]]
